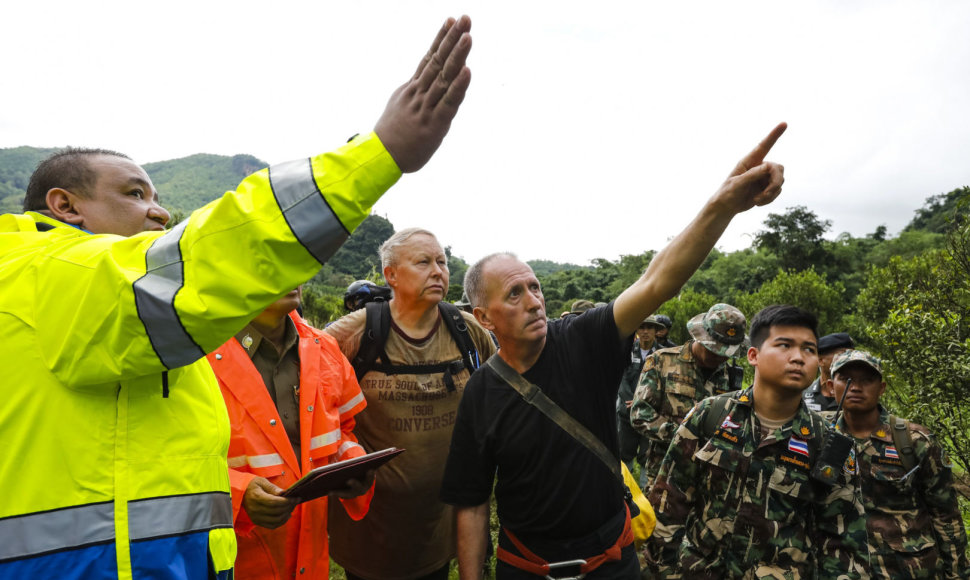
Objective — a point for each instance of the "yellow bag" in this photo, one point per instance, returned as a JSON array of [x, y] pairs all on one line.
[[644, 523]]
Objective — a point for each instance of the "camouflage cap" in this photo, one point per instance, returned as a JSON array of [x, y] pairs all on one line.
[[852, 356], [720, 330], [652, 321]]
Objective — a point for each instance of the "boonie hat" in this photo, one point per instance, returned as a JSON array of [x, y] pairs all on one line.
[[720, 330], [581, 306], [851, 356], [665, 320]]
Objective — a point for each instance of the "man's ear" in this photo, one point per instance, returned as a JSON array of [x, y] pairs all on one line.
[[482, 317], [753, 356], [390, 276], [63, 206], [828, 388]]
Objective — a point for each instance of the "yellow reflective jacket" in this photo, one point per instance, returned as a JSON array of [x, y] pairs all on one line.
[[113, 432]]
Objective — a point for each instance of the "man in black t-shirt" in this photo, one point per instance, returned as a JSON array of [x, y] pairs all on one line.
[[556, 500]]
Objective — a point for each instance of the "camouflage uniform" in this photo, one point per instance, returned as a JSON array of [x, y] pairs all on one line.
[[671, 383], [737, 506], [914, 523]]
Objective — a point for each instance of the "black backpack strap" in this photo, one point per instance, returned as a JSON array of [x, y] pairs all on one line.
[[376, 327], [459, 332], [903, 441]]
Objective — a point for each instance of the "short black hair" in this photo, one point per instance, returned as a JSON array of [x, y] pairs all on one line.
[[68, 169], [780, 315]]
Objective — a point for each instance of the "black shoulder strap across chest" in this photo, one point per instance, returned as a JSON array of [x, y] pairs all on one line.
[[377, 328], [903, 441], [534, 396], [716, 414]]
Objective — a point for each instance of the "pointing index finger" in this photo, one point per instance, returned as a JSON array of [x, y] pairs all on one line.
[[759, 153]]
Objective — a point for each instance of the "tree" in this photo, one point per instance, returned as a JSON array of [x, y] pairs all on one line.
[[320, 307], [940, 212], [358, 256], [685, 306], [628, 270], [729, 276], [456, 275], [805, 289], [795, 237], [915, 315]]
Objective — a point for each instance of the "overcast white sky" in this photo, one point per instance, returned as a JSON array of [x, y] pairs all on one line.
[[591, 129]]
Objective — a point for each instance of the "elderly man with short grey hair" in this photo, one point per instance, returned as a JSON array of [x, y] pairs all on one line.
[[411, 404], [560, 504]]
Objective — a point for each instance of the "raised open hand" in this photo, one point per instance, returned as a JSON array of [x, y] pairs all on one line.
[[419, 113]]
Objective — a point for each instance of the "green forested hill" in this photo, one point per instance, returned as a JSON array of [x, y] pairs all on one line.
[[16, 165], [190, 182], [940, 212]]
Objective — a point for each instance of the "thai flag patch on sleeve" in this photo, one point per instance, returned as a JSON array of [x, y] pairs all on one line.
[[891, 453], [798, 446], [729, 424]]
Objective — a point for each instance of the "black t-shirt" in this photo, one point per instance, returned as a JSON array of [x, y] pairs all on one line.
[[549, 485]]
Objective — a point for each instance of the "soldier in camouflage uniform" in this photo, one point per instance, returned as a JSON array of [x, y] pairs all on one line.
[[914, 523], [818, 396], [674, 379], [735, 498], [633, 445], [663, 336]]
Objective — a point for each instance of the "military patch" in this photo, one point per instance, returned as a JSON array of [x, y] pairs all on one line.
[[891, 453], [887, 461], [850, 467], [827, 472], [744, 398], [792, 459], [804, 430], [689, 413], [799, 446], [728, 436], [729, 424], [880, 433]]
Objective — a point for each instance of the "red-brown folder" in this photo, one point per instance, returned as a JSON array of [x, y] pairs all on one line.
[[323, 480]]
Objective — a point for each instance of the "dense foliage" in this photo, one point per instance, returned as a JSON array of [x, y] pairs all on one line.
[[915, 313]]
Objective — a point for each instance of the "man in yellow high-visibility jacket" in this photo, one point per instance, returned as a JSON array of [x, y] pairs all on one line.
[[113, 429]]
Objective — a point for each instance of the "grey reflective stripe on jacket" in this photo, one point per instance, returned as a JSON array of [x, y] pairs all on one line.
[[306, 211], [56, 530], [179, 514], [155, 298], [68, 528]]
